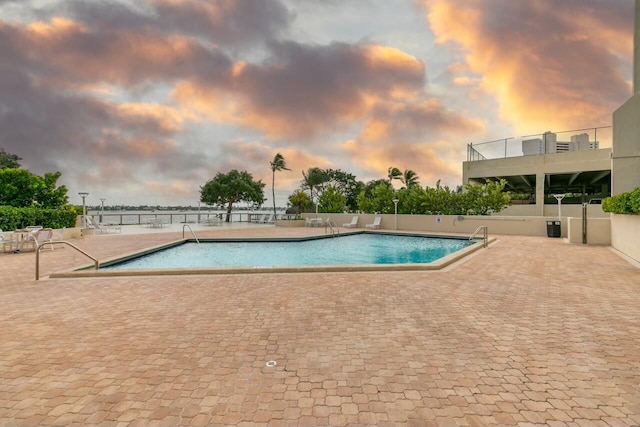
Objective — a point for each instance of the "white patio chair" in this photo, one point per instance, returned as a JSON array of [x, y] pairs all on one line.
[[353, 223], [5, 242], [43, 236], [29, 240], [377, 223], [57, 237]]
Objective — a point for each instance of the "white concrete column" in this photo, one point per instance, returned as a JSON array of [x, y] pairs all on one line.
[[540, 177]]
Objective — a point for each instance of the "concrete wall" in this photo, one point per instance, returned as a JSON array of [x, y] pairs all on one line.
[[598, 231], [72, 233], [523, 226], [625, 174], [625, 235], [593, 211]]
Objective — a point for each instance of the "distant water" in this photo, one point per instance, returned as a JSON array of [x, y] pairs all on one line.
[[130, 217]]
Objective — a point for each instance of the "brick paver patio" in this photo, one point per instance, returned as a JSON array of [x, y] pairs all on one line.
[[531, 331]]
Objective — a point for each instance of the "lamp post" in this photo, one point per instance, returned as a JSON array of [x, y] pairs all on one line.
[[559, 198], [395, 214], [84, 212], [102, 208]]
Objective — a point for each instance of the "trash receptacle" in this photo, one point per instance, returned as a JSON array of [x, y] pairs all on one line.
[[553, 229]]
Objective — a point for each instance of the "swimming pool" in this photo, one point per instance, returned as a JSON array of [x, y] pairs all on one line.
[[345, 249], [407, 258]]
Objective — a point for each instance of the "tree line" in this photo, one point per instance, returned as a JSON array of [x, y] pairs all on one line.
[[30, 199], [322, 190], [338, 191], [20, 188]]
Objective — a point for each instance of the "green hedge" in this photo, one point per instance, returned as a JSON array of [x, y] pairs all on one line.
[[14, 218], [624, 203]]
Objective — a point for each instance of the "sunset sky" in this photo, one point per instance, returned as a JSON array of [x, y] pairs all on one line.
[[143, 101]]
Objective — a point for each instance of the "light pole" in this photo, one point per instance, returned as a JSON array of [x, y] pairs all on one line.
[[559, 198], [84, 212], [395, 215], [102, 208]]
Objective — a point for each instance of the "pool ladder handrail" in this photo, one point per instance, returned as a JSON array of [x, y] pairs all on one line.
[[330, 224], [64, 242], [192, 233], [485, 234]]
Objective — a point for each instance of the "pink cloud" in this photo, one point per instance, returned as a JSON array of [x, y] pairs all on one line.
[[549, 64]]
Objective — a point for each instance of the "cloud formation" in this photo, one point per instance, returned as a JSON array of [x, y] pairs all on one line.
[[550, 65], [143, 102], [302, 90]]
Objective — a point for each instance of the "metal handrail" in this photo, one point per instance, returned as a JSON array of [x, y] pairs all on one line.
[[485, 236], [95, 260], [331, 224], [192, 233]]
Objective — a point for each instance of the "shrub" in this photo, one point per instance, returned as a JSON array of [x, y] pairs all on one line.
[[14, 218], [624, 203]]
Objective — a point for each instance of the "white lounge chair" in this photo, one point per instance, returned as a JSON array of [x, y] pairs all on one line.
[[353, 223], [212, 221], [376, 223], [109, 227]]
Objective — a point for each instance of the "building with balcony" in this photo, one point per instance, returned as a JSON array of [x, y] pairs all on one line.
[[577, 168]]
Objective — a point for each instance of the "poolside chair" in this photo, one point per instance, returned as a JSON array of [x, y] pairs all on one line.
[[29, 241], [270, 219], [212, 221], [114, 228], [99, 228], [376, 223], [58, 236], [353, 223], [43, 236], [89, 222], [5, 242]]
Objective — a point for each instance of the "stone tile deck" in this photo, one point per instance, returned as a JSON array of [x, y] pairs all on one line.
[[531, 331]]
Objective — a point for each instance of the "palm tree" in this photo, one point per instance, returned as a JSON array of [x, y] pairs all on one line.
[[314, 179], [393, 173], [409, 178], [277, 164]]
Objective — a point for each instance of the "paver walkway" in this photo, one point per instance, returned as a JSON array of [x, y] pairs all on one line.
[[531, 331]]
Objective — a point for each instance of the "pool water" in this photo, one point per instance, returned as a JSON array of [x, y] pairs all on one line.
[[358, 249]]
